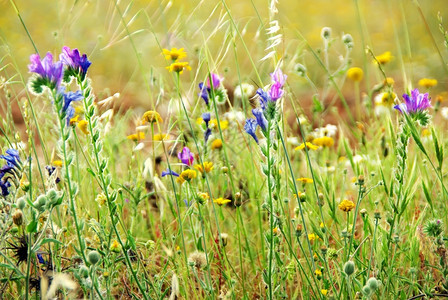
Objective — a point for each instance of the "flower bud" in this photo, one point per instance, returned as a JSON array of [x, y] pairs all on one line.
[[224, 238], [325, 33], [93, 257], [372, 283], [21, 203], [17, 217], [349, 268], [366, 290], [300, 69], [84, 272], [347, 39]]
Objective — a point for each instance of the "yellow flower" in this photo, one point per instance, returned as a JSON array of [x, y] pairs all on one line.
[[101, 199], [312, 237], [208, 166], [310, 146], [217, 144], [305, 180], [82, 125], [186, 175], [427, 82], [151, 117], [346, 205], [384, 58], [322, 225], [161, 137], [199, 121], [221, 201], [355, 74], [174, 54], [115, 247], [318, 272], [389, 81], [74, 120], [203, 196], [387, 99], [57, 163], [79, 109], [178, 67], [324, 292], [426, 132], [324, 141], [136, 136], [214, 124]]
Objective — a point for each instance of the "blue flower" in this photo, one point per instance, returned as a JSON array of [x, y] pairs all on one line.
[[264, 98], [74, 61], [69, 97], [261, 120], [250, 127], [417, 102], [169, 172], [40, 258], [206, 117], [12, 162], [12, 159], [4, 186], [204, 92], [207, 134]]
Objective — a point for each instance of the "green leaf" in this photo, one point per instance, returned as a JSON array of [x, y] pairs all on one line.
[[199, 244], [32, 226], [427, 196]]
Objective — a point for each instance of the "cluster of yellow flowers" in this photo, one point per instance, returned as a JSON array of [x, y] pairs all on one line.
[[174, 55]]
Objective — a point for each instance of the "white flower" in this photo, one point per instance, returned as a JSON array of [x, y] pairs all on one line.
[[293, 141], [244, 90], [233, 116], [444, 112]]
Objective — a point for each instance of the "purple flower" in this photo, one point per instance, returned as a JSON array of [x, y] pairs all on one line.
[[261, 120], [216, 81], [186, 156], [250, 127], [205, 90], [415, 103], [169, 172], [73, 60], [276, 92], [47, 69], [278, 77], [278, 80]]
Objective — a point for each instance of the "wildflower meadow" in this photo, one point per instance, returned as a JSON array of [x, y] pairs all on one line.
[[223, 149]]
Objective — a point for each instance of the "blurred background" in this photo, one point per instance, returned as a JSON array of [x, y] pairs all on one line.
[[124, 39]]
